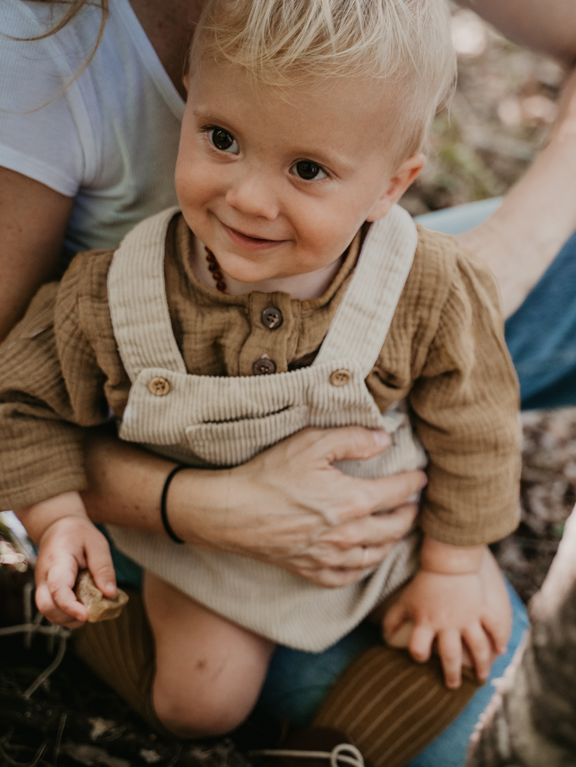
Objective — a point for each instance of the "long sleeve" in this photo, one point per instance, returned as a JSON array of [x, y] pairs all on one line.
[[50, 386], [445, 353], [465, 405]]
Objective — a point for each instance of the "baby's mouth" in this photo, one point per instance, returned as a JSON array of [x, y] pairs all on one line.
[[249, 241]]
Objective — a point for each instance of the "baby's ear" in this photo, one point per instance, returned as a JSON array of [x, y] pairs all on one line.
[[408, 172]]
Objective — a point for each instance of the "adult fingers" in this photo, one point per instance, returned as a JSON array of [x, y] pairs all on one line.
[[377, 529], [330, 577], [480, 649], [450, 651], [355, 558], [347, 443], [384, 494]]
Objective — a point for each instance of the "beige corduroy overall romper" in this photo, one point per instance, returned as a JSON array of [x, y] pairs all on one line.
[[227, 421]]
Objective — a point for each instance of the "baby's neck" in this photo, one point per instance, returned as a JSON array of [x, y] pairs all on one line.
[[300, 286]]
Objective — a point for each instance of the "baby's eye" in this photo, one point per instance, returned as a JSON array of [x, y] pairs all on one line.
[[308, 170], [223, 140]]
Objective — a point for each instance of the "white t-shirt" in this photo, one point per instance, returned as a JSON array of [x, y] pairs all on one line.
[[110, 138]]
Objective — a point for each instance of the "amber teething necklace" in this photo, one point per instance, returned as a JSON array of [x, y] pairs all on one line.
[[214, 267]]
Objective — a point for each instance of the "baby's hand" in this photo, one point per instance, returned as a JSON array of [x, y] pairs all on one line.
[[68, 543], [453, 612]]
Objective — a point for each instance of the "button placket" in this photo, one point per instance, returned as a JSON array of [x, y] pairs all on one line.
[[263, 342]]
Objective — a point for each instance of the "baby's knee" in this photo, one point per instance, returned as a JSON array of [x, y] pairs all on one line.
[[200, 713]]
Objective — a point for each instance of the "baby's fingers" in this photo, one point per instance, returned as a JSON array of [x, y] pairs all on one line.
[[99, 563], [480, 647], [499, 633], [420, 645], [60, 581], [450, 651], [54, 614], [394, 617]]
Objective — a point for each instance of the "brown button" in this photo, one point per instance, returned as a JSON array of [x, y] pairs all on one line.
[[263, 367], [159, 386], [340, 378], [272, 317]]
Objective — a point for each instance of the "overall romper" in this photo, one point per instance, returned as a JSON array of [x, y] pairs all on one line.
[[226, 421]]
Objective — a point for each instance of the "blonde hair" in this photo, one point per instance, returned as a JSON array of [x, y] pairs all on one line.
[[295, 42], [75, 6]]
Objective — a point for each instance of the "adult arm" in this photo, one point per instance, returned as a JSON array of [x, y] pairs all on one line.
[[289, 506], [538, 215], [33, 220], [548, 26], [522, 238]]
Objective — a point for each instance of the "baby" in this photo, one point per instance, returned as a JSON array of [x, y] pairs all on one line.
[[290, 291]]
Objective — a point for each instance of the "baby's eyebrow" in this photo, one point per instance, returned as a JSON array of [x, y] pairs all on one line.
[[203, 116]]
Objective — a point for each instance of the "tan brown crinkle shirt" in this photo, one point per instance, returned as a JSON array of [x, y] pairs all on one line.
[[60, 370]]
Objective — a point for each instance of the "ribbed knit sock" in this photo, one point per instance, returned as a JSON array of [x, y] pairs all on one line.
[[121, 652], [392, 707]]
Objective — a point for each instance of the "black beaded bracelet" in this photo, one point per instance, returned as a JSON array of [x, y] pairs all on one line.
[[163, 514]]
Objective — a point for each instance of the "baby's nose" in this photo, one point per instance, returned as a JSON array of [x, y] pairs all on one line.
[[253, 195]]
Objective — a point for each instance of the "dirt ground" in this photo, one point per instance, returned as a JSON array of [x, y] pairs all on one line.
[[504, 105]]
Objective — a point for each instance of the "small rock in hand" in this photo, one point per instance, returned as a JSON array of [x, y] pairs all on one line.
[[99, 607]]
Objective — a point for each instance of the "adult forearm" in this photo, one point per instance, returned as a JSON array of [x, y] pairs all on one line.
[[125, 484], [288, 506], [544, 25], [538, 215]]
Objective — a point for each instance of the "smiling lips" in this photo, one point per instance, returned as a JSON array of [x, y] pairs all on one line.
[[247, 242]]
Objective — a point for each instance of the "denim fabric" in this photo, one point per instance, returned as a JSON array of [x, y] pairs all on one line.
[[541, 336], [460, 218]]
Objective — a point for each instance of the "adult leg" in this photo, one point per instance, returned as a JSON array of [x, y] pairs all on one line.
[[541, 336]]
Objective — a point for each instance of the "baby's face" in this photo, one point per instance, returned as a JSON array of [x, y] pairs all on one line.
[[277, 182]]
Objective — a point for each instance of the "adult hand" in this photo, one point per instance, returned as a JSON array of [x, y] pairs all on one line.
[[289, 506]]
